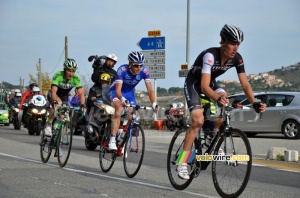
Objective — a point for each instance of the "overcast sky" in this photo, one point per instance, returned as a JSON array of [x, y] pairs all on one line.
[[33, 29]]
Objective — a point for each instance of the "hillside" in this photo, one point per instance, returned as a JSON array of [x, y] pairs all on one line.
[[288, 74]]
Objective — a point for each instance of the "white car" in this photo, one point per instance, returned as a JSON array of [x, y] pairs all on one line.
[[281, 116]]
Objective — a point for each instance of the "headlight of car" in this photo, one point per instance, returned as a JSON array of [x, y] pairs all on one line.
[[5, 114], [34, 111], [109, 109], [43, 111]]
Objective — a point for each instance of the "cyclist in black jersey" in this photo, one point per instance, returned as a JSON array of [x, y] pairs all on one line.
[[201, 79], [62, 83]]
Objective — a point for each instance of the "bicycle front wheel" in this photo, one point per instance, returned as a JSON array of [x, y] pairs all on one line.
[[231, 171], [106, 158], [64, 144], [175, 148], [45, 148], [134, 150]]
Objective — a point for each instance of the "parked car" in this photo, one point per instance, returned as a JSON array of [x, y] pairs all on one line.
[[282, 115], [4, 114]]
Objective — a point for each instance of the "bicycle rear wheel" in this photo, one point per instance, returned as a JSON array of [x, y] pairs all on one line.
[[230, 177], [45, 148], [106, 158], [134, 150], [64, 144], [175, 148]]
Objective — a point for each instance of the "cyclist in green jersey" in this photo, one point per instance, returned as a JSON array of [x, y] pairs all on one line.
[[62, 83]]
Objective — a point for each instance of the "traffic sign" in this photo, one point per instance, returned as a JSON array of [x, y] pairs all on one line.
[[154, 33], [156, 53], [156, 75], [154, 61], [152, 43], [184, 66], [155, 68], [183, 73]]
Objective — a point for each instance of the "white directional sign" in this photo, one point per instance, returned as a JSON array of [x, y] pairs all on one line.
[[156, 68], [183, 73], [154, 61], [157, 75], [157, 53]]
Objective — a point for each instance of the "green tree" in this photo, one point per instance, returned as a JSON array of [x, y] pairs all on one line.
[[46, 80]]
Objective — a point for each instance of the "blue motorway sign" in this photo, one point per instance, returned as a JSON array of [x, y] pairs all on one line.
[[152, 43]]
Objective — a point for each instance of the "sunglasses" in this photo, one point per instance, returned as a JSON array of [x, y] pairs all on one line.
[[136, 65]]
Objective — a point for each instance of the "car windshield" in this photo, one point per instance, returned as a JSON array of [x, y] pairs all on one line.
[[3, 107]]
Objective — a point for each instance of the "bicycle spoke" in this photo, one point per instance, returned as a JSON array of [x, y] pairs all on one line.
[[45, 148], [231, 176], [176, 146], [106, 158], [134, 151], [64, 144]]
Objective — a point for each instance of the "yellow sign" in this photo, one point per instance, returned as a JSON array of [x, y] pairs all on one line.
[[184, 66], [154, 33]]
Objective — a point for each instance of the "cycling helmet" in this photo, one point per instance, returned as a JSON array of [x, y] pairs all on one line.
[[31, 85], [36, 89], [180, 105], [19, 94], [232, 33], [136, 57], [70, 64], [112, 57], [174, 105], [105, 77]]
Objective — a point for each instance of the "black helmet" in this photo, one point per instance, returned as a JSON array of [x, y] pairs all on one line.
[[232, 33], [31, 85]]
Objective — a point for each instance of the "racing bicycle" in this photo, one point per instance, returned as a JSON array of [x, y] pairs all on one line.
[[131, 147], [229, 153], [61, 139]]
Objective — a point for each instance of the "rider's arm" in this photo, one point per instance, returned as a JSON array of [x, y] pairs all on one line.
[[118, 90], [246, 87], [81, 94], [54, 94], [205, 88], [23, 100], [151, 92]]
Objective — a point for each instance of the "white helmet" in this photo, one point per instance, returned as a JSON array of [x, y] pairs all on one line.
[[180, 105], [19, 94], [112, 57], [174, 105], [36, 89]]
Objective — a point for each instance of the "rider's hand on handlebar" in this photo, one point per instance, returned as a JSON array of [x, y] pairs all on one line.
[[259, 107], [154, 107], [124, 101], [222, 101]]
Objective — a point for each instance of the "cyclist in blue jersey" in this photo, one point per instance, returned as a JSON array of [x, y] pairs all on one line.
[[201, 79], [122, 90]]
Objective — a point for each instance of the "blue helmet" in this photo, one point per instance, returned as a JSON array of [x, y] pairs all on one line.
[[136, 57]]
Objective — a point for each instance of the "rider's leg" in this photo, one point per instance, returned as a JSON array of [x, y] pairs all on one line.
[[129, 118], [197, 122], [115, 124]]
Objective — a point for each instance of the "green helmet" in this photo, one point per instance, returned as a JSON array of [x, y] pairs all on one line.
[[70, 64]]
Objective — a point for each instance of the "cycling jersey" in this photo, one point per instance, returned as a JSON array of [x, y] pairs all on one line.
[[129, 81], [209, 62], [64, 87]]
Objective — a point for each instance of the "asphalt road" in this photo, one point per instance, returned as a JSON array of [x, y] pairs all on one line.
[[23, 174]]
